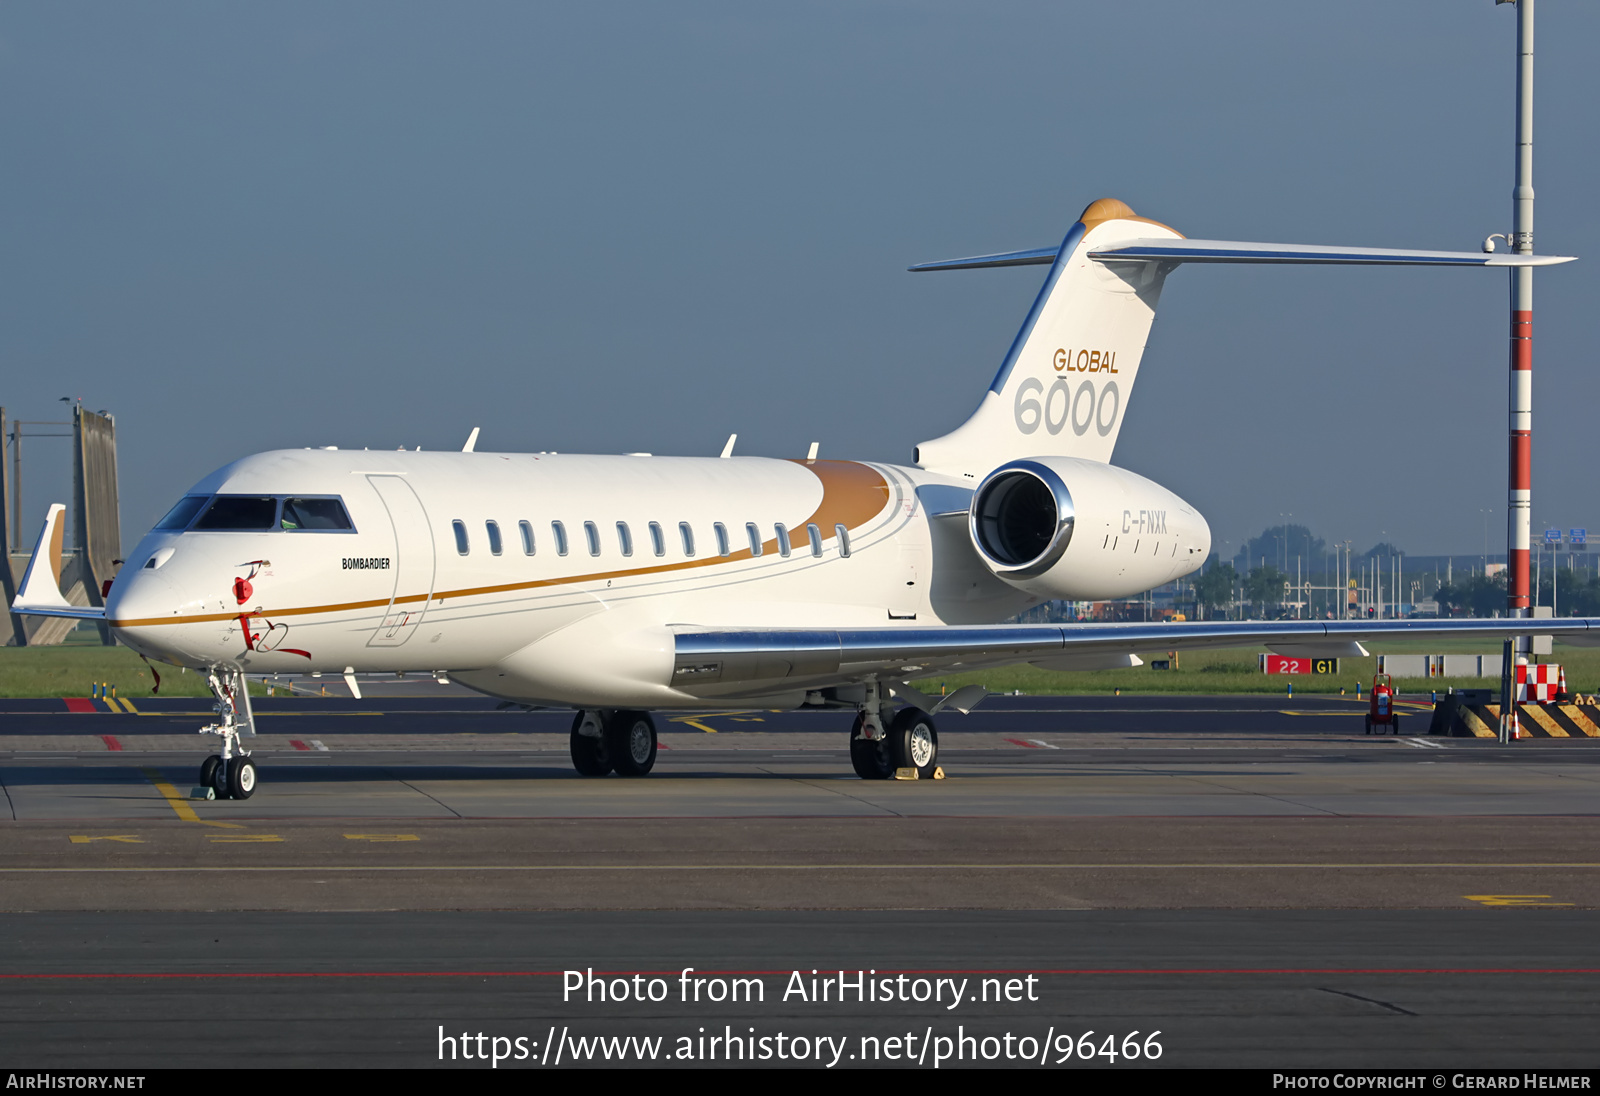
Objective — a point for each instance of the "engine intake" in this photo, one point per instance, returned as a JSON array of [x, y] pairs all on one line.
[[1022, 519]]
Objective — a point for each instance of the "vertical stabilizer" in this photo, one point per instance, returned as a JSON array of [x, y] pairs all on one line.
[[1065, 383]]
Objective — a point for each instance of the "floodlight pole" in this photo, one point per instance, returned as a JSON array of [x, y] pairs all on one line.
[[1519, 501]]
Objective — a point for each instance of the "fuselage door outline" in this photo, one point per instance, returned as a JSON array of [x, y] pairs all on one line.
[[414, 561]]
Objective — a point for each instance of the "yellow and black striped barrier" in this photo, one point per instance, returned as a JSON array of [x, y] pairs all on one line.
[[1454, 719]]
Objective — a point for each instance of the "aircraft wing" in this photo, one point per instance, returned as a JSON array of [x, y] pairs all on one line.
[[725, 661], [40, 593]]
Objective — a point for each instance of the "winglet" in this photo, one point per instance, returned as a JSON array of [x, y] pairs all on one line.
[[40, 594], [472, 441]]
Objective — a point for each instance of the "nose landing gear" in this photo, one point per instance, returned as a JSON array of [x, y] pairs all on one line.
[[230, 774]]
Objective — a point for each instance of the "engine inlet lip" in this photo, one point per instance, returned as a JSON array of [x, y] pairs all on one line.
[[1066, 519]]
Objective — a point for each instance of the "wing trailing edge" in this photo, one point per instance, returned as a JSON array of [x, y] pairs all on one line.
[[727, 662]]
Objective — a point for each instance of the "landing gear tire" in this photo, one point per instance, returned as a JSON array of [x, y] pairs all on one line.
[[913, 742], [208, 771], [631, 738], [219, 778], [591, 754], [870, 758], [241, 778]]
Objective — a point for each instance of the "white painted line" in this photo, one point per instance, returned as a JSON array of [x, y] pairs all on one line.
[[1423, 744], [316, 745], [1042, 742]]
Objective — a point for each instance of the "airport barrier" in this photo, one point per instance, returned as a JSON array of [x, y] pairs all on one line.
[[1455, 716]]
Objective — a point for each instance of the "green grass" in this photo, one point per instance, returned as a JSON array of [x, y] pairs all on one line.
[[73, 670]]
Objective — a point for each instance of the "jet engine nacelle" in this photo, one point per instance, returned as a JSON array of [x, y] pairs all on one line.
[[1061, 527]]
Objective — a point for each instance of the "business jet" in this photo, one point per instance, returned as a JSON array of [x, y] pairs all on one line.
[[617, 585]]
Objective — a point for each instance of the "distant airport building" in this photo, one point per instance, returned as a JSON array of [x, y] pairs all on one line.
[[91, 558]]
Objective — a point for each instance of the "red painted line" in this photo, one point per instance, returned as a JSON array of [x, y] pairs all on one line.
[[297, 744], [881, 973], [1024, 745], [80, 704], [111, 742]]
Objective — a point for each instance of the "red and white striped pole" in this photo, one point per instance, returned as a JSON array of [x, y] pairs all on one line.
[[1519, 501]]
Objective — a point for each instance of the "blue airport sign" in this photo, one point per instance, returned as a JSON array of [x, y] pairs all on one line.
[[1578, 536], [1552, 536]]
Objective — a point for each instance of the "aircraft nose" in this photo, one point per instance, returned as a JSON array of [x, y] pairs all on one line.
[[140, 606]]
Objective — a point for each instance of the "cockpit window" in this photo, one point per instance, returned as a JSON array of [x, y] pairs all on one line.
[[182, 514], [239, 513], [301, 515]]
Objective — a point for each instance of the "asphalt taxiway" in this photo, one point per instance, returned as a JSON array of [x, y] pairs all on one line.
[[1253, 875]]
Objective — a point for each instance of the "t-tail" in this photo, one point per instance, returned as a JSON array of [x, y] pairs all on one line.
[[1064, 386]]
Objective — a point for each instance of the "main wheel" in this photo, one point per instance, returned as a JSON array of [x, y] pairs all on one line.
[[590, 754], [631, 740], [913, 742], [241, 778], [869, 758], [208, 771]]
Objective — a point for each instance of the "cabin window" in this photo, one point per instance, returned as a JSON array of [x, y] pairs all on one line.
[[814, 535], [240, 513], [559, 531], [182, 514], [314, 516], [754, 536], [591, 532], [657, 540], [722, 539], [843, 536], [495, 545], [461, 536], [782, 532], [687, 534], [624, 539], [527, 537]]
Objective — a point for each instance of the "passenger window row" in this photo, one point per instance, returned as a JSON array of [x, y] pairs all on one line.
[[786, 541]]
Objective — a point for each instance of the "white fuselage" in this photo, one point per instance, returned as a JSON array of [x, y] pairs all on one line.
[[652, 545]]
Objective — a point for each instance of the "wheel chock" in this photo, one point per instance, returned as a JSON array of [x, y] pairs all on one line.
[[908, 772], [201, 792], [938, 772]]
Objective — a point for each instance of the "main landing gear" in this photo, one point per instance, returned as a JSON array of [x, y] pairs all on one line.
[[624, 742], [230, 774], [910, 741], [615, 740]]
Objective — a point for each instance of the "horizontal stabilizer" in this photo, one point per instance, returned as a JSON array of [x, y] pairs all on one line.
[[1240, 251], [1039, 256], [40, 594]]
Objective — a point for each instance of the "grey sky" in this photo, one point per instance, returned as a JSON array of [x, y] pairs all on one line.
[[609, 227]]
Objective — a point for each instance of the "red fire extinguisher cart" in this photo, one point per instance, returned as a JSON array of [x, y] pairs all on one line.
[[1381, 713]]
